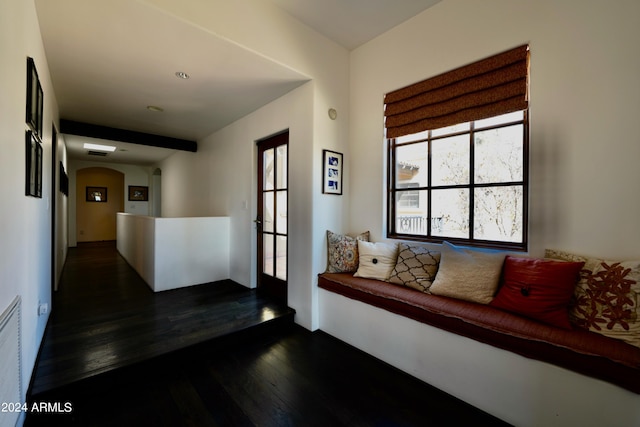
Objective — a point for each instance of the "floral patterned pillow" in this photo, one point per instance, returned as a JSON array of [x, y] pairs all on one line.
[[606, 298], [343, 252]]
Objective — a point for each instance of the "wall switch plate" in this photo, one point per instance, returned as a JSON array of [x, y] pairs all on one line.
[[43, 309]]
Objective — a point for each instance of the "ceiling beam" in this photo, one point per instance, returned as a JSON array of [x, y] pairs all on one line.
[[103, 132]]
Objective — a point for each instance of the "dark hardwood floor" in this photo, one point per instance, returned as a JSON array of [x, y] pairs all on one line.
[[115, 353], [105, 317]]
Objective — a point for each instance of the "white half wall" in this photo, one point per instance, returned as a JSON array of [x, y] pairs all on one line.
[[171, 253]]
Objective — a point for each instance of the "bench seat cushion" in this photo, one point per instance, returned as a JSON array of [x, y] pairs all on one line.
[[575, 349]]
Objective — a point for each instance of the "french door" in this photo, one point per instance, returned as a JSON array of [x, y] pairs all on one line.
[[271, 222]]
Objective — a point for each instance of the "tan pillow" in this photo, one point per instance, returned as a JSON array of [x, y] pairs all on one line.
[[376, 259], [468, 274], [342, 251], [416, 267], [606, 298]]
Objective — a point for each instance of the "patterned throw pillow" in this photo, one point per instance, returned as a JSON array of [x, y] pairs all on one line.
[[343, 252], [376, 259], [416, 267], [606, 298]]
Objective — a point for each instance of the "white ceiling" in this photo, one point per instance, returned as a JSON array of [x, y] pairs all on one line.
[[352, 23], [109, 60]]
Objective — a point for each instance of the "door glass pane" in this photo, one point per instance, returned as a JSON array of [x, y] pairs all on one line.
[[267, 250], [269, 172], [281, 215], [267, 212], [281, 162], [498, 213], [281, 258], [450, 210], [450, 161]]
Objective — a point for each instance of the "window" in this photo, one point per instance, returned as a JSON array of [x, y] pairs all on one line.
[[464, 183], [458, 155]]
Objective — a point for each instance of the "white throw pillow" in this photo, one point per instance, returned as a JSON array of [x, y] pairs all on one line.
[[468, 274], [376, 259]]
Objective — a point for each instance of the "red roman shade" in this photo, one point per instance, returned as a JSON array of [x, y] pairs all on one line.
[[487, 88]]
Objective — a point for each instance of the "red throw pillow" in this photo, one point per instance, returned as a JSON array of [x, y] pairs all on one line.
[[540, 289]]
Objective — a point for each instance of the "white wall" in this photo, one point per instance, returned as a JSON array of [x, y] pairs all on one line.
[[584, 153], [62, 208], [220, 177], [584, 108], [133, 175], [25, 222]]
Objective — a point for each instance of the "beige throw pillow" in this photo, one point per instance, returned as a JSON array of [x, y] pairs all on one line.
[[376, 259], [468, 274]]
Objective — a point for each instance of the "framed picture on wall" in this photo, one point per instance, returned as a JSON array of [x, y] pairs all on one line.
[[138, 193], [97, 194], [35, 99], [38, 169], [64, 180], [33, 165], [331, 172]]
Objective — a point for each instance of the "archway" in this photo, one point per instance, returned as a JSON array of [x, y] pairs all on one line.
[[99, 196]]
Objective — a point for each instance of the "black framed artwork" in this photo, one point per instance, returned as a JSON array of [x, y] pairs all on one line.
[[64, 180], [35, 99], [138, 193], [33, 156], [331, 172], [96, 194]]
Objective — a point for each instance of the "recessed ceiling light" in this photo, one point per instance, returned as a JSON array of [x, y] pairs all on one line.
[[99, 147], [182, 75], [155, 108]]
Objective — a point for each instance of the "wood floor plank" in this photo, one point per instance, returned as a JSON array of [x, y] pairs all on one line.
[[224, 410]]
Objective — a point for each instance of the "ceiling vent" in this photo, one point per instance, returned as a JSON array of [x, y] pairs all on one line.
[[97, 153]]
